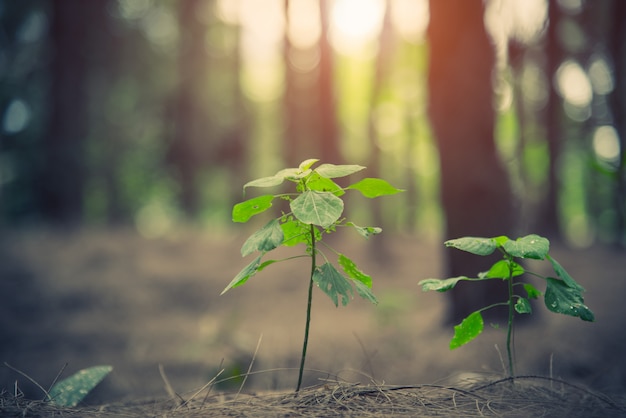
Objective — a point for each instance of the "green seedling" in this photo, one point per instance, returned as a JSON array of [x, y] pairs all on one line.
[[562, 295], [316, 209]]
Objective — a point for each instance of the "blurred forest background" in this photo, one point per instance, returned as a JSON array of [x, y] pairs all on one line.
[[154, 113]]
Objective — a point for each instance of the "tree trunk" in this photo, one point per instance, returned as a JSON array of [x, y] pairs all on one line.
[[328, 129], [475, 191], [183, 152], [62, 164]]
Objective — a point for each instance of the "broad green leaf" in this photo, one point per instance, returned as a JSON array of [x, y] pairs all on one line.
[[265, 239], [467, 330], [295, 232], [372, 188], [523, 306], [264, 182], [353, 272], [332, 171], [333, 284], [564, 275], [322, 184], [243, 276], [243, 211], [440, 285], [474, 245], [365, 231], [500, 240], [530, 246], [531, 291], [317, 208], [306, 164], [500, 270], [563, 299], [365, 292], [70, 391]]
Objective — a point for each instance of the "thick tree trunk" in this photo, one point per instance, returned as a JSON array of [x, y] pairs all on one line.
[[62, 170], [475, 191]]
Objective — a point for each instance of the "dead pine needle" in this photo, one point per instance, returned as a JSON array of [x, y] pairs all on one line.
[[245, 377]]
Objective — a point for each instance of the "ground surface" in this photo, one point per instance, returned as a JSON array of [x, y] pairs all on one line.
[[110, 297]]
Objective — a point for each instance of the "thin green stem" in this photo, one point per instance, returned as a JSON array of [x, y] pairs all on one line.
[[308, 310], [509, 335]]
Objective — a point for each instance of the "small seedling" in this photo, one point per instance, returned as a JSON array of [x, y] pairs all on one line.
[[316, 209], [563, 295]]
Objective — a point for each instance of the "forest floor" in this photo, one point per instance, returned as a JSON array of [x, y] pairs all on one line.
[[152, 309]]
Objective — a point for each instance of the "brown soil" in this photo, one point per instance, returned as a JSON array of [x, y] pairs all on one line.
[[111, 297]]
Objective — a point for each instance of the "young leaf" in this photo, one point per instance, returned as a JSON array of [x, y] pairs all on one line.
[[531, 246], [531, 291], [523, 306], [307, 164], [365, 292], [243, 276], [474, 245], [243, 211], [467, 330], [500, 240], [295, 232], [561, 298], [292, 174], [332, 171], [353, 272], [372, 188], [365, 231], [322, 184], [265, 239], [440, 285], [265, 182], [564, 275], [317, 208], [500, 270], [333, 284], [70, 391]]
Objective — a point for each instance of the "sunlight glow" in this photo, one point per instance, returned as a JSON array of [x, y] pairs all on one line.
[[410, 18], [355, 24], [606, 143], [573, 84], [304, 27]]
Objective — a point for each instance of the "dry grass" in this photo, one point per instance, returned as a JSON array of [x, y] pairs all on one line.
[[526, 396]]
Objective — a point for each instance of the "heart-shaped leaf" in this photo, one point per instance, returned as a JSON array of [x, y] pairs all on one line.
[[317, 208], [531, 246]]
